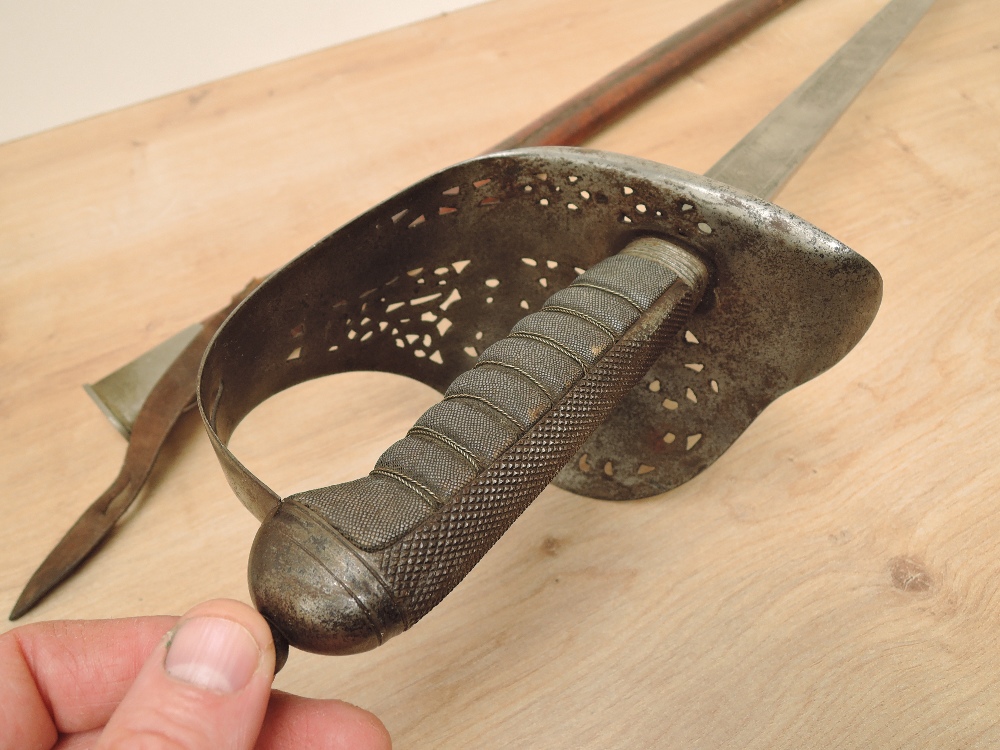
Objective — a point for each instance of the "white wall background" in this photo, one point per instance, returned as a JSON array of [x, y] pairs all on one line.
[[64, 60]]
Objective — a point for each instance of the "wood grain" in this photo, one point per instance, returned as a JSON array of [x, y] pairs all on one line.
[[832, 581]]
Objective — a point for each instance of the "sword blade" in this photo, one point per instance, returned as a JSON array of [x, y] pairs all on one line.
[[770, 153]]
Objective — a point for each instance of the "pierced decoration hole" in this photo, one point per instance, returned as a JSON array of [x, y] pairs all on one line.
[[669, 438], [609, 469], [419, 353], [715, 386], [542, 176], [299, 331], [382, 325], [543, 202], [352, 335], [452, 191], [579, 271], [365, 321], [394, 306], [584, 464], [415, 272], [659, 213], [425, 300], [460, 265], [489, 201], [482, 183], [368, 335], [654, 386], [492, 283], [691, 396], [296, 353], [691, 338], [543, 281], [687, 207], [627, 190], [529, 261], [471, 351], [445, 210], [489, 300], [572, 206], [479, 335], [704, 228], [442, 282], [645, 469], [428, 317], [427, 340], [641, 208], [670, 404], [400, 343], [551, 264], [524, 304], [697, 367], [436, 357], [396, 217], [452, 299], [585, 195], [420, 281], [395, 331], [626, 219], [417, 221], [443, 325], [333, 348], [692, 440], [528, 188], [573, 178], [411, 338]]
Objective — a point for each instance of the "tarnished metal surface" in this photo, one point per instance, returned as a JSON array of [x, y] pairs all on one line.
[[121, 394], [170, 397], [423, 283]]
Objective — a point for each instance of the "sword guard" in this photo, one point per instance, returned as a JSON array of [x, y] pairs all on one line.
[[423, 284]]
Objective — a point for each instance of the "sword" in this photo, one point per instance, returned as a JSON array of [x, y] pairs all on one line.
[[144, 399], [839, 80], [669, 284]]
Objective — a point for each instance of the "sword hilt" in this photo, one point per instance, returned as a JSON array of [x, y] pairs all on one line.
[[340, 569]]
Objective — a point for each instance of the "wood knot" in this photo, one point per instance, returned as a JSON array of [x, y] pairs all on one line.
[[910, 575], [550, 546]]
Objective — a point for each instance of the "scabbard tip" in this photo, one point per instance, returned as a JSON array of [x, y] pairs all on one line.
[[22, 607]]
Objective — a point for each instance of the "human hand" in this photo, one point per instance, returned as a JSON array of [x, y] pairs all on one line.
[[201, 681]]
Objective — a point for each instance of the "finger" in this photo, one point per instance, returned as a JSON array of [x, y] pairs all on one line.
[[307, 724], [68, 677], [205, 687]]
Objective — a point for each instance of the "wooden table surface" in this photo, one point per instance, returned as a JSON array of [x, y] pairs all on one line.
[[832, 581]]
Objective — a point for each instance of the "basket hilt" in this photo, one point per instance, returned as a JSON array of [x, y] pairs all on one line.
[[338, 570]]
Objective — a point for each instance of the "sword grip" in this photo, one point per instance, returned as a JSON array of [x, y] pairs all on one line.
[[340, 569]]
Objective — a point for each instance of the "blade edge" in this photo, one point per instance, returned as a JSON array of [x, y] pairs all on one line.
[[767, 156]]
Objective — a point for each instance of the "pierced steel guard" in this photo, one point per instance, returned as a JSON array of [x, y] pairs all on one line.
[[701, 306]]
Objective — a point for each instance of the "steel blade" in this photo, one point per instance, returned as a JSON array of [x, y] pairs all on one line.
[[770, 153]]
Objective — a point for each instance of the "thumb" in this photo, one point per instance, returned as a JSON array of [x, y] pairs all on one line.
[[205, 687]]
